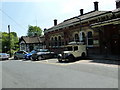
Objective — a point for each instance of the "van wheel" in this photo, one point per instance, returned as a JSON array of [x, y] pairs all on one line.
[[59, 60], [71, 58], [83, 55]]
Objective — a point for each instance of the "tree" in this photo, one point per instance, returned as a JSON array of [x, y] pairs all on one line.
[[13, 41], [34, 31]]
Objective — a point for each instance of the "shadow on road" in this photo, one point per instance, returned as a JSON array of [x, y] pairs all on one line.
[[106, 62], [113, 62]]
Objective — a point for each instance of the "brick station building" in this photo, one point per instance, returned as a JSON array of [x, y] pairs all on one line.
[[99, 30]]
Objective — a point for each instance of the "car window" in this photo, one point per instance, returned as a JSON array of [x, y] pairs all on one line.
[[21, 52], [75, 48], [33, 51], [43, 50]]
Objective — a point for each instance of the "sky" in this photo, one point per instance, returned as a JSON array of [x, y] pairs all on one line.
[[21, 13]]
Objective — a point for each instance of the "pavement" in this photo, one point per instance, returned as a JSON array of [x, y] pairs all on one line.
[[105, 57], [114, 60]]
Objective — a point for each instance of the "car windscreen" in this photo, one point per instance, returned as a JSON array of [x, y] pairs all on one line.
[[33, 51], [2, 53], [43, 50], [68, 48]]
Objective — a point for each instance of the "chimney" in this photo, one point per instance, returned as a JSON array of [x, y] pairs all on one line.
[[96, 5], [117, 4], [45, 29], [55, 22], [81, 12]]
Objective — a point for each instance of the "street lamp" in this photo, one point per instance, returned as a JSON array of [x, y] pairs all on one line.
[[82, 35], [79, 17]]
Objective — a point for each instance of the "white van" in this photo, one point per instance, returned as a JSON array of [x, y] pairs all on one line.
[[72, 51]]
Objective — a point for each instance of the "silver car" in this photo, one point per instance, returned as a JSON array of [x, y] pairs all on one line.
[[4, 56], [19, 55]]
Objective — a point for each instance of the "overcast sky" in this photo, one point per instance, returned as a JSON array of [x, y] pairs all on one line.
[[21, 13]]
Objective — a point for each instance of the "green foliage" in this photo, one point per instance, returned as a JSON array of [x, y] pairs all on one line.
[[34, 31], [13, 44]]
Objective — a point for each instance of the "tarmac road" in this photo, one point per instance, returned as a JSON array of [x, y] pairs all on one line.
[[52, 74]]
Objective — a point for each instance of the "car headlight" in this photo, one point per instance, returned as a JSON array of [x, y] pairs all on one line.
[[60, 55]]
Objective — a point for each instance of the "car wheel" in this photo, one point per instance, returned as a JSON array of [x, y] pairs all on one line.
[[30, 58], [15, 57], [39, 58], [71, 58]]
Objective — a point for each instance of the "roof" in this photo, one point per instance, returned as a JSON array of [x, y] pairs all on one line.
[[116, 10], [33, 39], [73, 20], [112, 21]]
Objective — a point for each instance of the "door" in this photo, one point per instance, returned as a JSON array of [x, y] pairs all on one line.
[[115, 44], [76, 52]]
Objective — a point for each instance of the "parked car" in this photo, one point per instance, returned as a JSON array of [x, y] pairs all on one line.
[[43, 54], [72, 51], [28, 56], [4, 56], [19, 55]]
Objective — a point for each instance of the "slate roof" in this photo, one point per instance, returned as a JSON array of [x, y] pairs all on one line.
[[73, 20], [32, 40], [116, 10]]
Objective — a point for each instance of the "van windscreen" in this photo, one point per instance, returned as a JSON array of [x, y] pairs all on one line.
[[68, 49]]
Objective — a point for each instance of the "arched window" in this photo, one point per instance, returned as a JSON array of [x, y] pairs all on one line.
[[90, 38], [52, 41], [76, 37], [59, 40], [55, 41], [82, 37]]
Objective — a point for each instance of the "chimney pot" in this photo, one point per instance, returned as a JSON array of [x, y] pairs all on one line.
[[45, 29], [81, 11], [96, 5], [55, 22]]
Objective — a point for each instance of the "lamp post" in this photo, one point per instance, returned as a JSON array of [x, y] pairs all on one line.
[[82, 35], [9, 40], [81, 13]]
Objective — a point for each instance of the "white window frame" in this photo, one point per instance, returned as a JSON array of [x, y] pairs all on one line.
[[88, 39]]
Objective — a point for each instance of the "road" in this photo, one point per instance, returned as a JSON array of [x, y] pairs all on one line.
[[52, 74]]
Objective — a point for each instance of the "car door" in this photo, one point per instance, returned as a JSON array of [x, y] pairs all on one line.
[[76, 52], [21, 54]]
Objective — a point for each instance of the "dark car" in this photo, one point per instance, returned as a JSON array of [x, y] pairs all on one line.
[[28, 56], [19, 55], [43, 54]]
